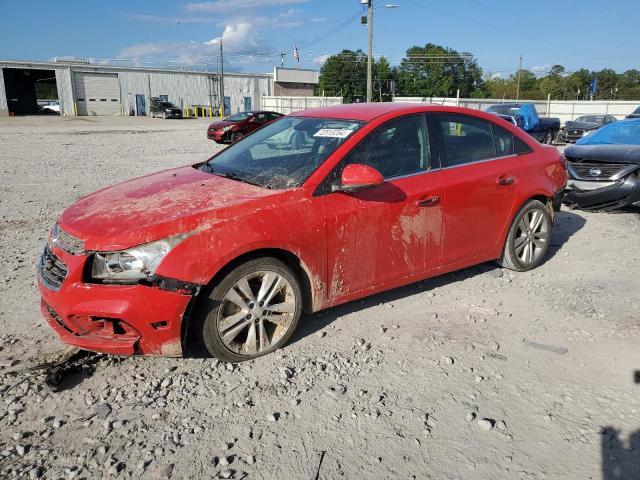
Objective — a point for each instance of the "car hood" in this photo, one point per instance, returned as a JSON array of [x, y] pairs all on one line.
[[221, 124], [582, 125], [605, 153], [156, 206]]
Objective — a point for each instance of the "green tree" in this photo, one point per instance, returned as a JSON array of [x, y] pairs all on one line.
[[434, 70], [344, 74]]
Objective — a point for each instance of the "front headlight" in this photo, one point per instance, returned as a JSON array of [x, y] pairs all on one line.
[[132, 264]]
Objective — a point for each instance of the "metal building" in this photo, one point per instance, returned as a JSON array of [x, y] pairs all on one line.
[[82, 88]]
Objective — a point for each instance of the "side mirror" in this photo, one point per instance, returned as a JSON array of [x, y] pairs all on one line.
[[358, 177]]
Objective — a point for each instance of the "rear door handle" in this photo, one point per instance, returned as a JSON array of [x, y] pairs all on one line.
[[506, 180], [429, 202]]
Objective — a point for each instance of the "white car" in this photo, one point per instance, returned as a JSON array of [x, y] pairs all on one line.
[[52, 107]]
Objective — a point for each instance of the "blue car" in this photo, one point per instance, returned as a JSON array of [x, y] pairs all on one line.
[[604, 168]]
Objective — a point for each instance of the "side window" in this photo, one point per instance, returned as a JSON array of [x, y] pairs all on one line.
[[503, 140], [400, 147], [520, 147], [466, 139]]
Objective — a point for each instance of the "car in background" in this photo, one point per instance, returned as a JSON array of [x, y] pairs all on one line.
[[635, 113], [576, 129], [234, 127], [604, 168], [163, 108], [526, 117], [229, 253], [52, 107]]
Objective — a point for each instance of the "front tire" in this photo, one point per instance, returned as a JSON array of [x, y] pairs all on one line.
[[253, 311], [528, 239]]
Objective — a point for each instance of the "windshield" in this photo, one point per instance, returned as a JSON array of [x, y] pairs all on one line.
[[591, 119], [167, 105], [504, 109], [618, 133], [284, 153], [238, 117]]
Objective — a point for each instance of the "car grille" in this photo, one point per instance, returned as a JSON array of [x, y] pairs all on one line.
[[52, 270], [595, 171], [66, 242], [576, 132]]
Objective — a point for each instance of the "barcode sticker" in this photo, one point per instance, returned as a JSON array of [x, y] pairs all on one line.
[[333, 133]]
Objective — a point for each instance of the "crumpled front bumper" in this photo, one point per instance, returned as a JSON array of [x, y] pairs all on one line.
[[114, 319], [623, 193]]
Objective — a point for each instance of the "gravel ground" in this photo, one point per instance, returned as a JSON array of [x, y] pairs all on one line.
[[483, 373]]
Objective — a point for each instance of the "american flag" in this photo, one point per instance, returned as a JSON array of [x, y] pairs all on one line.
[[296, 56]]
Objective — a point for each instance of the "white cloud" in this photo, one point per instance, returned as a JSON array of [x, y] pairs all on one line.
[[171, 20], [319, 19], [234, 5], [538, 69], [240, 36], [321, 59]]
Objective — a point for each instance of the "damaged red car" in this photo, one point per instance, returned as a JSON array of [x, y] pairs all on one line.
[[314, 210]]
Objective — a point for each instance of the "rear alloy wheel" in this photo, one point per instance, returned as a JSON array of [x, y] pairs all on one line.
[[528, 238], [254, 310]]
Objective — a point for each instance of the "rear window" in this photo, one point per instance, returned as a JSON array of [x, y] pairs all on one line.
[[466, 139]]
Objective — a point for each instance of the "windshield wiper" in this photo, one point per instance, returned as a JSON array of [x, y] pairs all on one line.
[[235, 177]]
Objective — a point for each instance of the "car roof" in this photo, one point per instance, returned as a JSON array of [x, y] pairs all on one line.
[[364, 111]]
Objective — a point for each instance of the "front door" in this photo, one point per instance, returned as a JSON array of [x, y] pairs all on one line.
[[480, 178], [384, 233], [140, 105]]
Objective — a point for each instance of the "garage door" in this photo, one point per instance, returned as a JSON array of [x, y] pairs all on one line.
[[97, 93]]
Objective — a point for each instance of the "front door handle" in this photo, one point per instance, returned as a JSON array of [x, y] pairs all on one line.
[[506, 180], [429, 202]]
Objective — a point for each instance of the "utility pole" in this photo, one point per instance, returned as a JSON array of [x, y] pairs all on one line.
[[222, 112], [370, 56], [519, 70]]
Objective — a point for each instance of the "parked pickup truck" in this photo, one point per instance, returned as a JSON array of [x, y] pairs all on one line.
[[525, 116]]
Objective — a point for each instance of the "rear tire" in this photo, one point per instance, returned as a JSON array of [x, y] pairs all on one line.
[[528, 238], [548, 137], [252, 311]]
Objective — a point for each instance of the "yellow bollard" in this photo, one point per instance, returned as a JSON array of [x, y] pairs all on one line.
[[195, 112], [75, 109], [186, 112], [210, 111]]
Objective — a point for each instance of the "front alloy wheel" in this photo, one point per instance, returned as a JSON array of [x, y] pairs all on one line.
[[528, 238], [256, 309]]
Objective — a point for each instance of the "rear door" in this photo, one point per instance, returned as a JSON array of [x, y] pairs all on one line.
[[480, 175], [380, 234]]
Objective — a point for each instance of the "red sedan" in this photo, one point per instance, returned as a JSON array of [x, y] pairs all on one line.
[[234, 127], [316, 209]]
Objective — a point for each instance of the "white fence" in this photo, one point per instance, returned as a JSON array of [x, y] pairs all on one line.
[[288, 105], [563, 109]]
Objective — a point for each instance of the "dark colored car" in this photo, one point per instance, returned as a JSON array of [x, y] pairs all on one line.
[[234, 127], [581, 126], [230, 253], [604, 168], [635, 113], [525, 116], [164, 109]]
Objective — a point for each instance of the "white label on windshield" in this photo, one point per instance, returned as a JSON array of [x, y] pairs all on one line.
[[333, 133]]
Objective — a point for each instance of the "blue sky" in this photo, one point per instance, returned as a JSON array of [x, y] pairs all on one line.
[[588, 33]]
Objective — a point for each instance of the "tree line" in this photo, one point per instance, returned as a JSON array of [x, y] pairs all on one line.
[[437, 71]]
